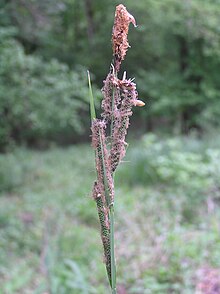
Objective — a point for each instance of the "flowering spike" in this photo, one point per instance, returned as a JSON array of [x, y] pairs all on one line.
[[119, 98]]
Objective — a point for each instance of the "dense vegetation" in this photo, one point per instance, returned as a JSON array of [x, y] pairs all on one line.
[[167, 224], [46, 48], [40, 100]]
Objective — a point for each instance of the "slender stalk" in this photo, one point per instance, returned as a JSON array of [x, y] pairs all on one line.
[[108, 202], [112, 246], [112, 233]]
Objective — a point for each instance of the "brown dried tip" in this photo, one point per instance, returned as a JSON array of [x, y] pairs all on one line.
[[139, 103], [119, 34]]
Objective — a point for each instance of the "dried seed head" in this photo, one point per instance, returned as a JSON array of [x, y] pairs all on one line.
[[119, 34], [110, 86], [97, 125], [121, 120]]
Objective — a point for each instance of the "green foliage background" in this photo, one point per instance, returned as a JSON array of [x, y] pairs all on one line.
[[40, 100]]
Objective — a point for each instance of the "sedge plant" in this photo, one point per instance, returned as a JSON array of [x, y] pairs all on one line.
[[108, 135]]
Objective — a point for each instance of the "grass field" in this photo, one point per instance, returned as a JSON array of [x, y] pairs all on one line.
[[167, 219]]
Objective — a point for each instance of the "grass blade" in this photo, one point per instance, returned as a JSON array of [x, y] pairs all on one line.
[[92, 104]]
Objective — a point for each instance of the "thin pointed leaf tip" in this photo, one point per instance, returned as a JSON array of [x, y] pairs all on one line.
[[119, 34], [91, 98]]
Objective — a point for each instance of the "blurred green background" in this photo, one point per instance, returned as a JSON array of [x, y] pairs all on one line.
[[167, 188]]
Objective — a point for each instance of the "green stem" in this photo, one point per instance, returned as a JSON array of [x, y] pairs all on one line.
[[112, 241], [111, 219], [112, 247]]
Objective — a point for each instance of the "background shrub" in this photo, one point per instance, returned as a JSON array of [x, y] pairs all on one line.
[[175, 162], [38, 100], [12, 172]]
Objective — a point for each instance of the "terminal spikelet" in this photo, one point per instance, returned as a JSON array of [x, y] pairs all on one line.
[[120, 34]]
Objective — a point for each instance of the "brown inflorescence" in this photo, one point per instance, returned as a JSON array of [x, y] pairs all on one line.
[[121, 121], [109, 104], [119, 34]]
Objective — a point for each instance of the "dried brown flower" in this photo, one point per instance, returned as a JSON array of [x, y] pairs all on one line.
[[139, 103], [119, 34]]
